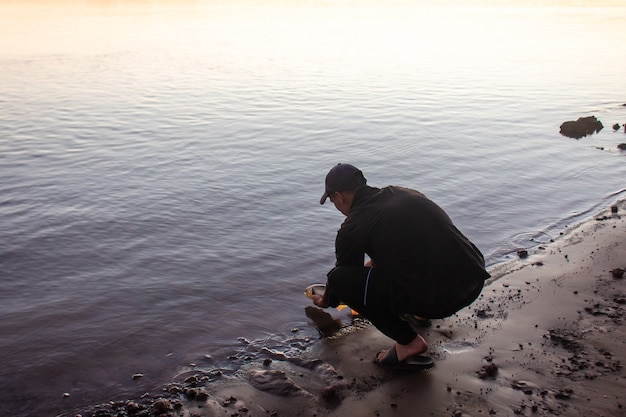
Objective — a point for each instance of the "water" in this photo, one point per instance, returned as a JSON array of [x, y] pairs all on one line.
[[161, 163]]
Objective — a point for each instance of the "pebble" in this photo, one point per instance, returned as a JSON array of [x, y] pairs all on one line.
[[202, 395], [329, 392], [228, 402], [488, 371], [161, 406], [132, 407], [190, 393], [564, 394]]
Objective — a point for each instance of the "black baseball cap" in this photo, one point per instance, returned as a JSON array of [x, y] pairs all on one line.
[[342, 177]]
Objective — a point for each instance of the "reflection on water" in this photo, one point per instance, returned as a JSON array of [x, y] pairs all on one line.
[[162, 163]]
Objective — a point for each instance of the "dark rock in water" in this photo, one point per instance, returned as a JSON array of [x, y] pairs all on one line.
[[274, 381], [582, 127], [522, 253], [616, 126], [622, 146], [324, 321]]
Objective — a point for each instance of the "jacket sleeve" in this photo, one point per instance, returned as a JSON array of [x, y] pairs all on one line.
[[329, 298], [348, 247]]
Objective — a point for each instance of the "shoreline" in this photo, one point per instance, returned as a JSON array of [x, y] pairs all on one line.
[[544, 338]]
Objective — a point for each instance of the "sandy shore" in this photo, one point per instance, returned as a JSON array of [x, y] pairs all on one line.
[[546, 337]]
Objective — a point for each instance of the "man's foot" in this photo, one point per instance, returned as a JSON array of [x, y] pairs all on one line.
[[416, 347], [409, 360]]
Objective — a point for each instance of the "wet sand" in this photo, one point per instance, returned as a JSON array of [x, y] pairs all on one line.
[[546, 337]]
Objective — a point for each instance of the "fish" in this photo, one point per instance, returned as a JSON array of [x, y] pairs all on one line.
[[315, 289]]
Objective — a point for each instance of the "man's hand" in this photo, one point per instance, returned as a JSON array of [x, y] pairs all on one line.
[[318, 300]]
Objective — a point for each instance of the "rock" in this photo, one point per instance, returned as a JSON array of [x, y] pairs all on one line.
[[132, 408], [489, 371], [229, 401], [522, 253], [202, 395], [190, 393], [273, 381], [161, 406], [483, 314], [564, 394], [329, 392], [622, 146], [324, 322], [617, 273], [582, 127], [616, 126], [192, 381], [524, 386]]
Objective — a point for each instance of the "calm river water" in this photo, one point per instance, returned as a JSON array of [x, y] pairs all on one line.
[[161, 163]]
